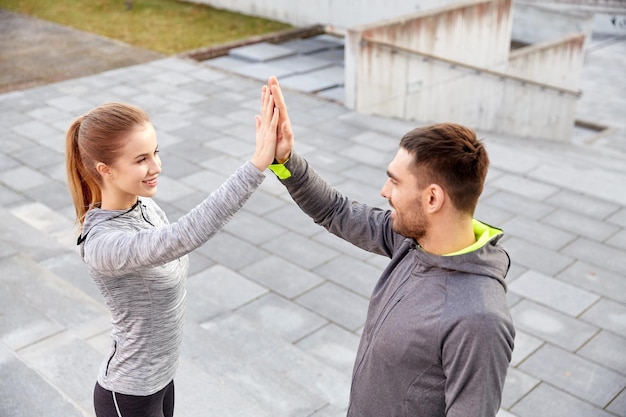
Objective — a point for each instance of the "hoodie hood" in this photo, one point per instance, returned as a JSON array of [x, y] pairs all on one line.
[[97, 216], [485, 257]]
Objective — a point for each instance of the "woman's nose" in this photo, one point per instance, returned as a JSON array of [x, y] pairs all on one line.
[[155, 166]]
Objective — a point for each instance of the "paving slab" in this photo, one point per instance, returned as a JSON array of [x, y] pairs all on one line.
[[26, 393], [554, 293], [260, 52], [593, 278], [221, 349], [341, 306], [292, 280], [525, 345], [546, 400], [301, 251], [332, 345], [549, 325], [575, 375], [603, 256], [293, 219], [278, 316], [609, 315], [583, 204], [517, 385], [618, 239], [351, 273], [580, 224], [228, 399], [263, 70], [514, 203], [23, 277], [307, 83], [51, 358], [618, 406], [550, 237], [534, 256], [618, 218], [606, 349], [309, 45], [221, 288]]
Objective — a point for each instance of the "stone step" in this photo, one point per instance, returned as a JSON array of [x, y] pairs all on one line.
[[45, 324], [26, 393], [20, 236]]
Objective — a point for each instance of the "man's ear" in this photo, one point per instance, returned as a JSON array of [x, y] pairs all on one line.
[[103, 169], [434, 197]]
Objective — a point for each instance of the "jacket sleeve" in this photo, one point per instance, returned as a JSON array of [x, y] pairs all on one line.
[[475, 357], [108, 249], [366, 227]]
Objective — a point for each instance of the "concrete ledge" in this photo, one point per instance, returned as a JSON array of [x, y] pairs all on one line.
[[274, 37]]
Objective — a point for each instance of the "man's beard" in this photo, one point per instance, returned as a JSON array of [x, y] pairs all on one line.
[[416, 229]]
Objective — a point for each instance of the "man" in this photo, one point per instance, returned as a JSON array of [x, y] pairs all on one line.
[[438, 337]]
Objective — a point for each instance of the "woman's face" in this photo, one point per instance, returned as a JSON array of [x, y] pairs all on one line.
[[135, 172]]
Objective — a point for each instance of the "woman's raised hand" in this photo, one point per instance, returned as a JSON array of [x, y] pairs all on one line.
[[284, 143], [266, 131]]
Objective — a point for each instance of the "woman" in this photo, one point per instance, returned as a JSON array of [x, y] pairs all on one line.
[[136, 257]]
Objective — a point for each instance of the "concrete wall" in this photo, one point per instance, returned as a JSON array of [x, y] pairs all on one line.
[[413, 86], [558, 63], [455, 64], [474, 32], [344, 14], [339, 14]]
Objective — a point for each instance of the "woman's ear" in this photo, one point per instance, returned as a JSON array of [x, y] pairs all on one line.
[[103, 169]]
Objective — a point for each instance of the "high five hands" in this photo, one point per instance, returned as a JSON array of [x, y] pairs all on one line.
[[284, 135], [274, 136]]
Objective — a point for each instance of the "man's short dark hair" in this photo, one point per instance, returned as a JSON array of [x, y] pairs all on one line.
[[451, 156]]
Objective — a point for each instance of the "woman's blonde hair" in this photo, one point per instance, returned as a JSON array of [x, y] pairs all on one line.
[[98, 136]]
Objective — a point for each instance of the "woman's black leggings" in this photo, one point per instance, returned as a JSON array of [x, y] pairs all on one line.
[[112, 404]]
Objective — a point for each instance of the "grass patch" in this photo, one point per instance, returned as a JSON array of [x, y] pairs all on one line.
[[164, 26]]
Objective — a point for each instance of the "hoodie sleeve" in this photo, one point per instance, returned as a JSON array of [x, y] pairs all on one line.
[[109, 247], [475, 357], [366, 227]]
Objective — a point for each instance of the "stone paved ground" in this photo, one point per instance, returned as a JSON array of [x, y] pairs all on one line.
[[263, 343]]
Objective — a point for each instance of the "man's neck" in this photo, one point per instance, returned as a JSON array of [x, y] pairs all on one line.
[[449, 236]]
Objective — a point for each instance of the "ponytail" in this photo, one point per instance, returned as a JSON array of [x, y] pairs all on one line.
[[84, 188]]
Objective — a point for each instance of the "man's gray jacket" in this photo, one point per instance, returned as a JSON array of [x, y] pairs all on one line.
[[438, 337]]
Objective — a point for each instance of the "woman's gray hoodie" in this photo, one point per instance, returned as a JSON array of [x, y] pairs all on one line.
[[138, 261]]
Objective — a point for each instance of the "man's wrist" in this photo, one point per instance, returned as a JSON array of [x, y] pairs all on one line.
[[279, 168], [278, 160]]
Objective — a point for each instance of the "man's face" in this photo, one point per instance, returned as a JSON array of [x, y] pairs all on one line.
[[405, 197]]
